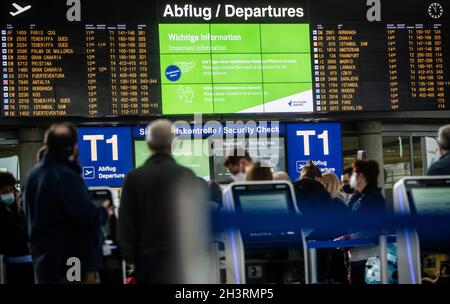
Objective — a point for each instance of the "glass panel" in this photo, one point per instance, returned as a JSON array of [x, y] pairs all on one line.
[[349, 150], [418, 157], [9, 159], [396, 161]]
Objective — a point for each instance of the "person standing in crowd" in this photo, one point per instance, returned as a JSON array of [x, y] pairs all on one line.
[[351, 194], [442, 166], [347, 174], [314, 200], [370, 203], [147, 226], [338, 270], [237, 163], [63, 222], [331, 184], [310, 192], [365, 181], [13, 234], [259, 172]]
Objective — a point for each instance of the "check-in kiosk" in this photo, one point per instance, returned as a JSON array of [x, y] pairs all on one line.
[[114, 268], [253, 256], [422, 196]]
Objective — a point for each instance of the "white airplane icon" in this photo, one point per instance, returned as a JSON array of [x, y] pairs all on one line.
[[19, 9]]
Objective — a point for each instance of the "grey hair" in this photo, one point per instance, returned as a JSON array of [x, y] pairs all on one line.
[[160, 135], [444, 137]]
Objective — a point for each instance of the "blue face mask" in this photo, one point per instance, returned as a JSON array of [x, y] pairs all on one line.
[[7, 199]]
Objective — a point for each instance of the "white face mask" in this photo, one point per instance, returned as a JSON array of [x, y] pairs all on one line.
[[239, 177], [7, 199], [353, 181]]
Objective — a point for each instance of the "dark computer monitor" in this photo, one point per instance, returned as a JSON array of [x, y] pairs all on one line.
[[429, 196], [267, 199], [99, 196], [263, 199]]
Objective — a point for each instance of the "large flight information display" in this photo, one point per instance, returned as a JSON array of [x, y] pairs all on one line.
[[140, 58]]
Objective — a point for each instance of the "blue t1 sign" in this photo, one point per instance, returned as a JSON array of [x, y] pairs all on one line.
[[319, 142], [105, 155]]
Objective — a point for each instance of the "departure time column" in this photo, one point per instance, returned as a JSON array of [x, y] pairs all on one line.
[[97, 52]]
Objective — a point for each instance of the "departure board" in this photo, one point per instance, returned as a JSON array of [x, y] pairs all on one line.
[[393, 67], [98, 58], [97, 71]]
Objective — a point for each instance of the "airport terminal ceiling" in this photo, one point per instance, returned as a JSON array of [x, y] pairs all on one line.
[[289, 60]]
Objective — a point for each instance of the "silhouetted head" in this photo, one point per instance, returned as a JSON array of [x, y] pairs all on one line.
[[444, 139], [61, 140], [160, 136]]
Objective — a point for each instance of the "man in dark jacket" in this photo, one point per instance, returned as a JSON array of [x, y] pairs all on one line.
[[148, 210], [442, 166], [62, 220]]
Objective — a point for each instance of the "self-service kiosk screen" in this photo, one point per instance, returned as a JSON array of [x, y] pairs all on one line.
[[263, 198], [431, 200], [99, 196], [271, 202]]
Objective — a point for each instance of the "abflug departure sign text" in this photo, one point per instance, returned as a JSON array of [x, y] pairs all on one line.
[[230, 11]]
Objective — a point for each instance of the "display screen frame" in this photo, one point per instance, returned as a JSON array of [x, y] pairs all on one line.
[[313, 14]]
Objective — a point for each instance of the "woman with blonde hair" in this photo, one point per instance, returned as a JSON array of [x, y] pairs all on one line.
[[331, 183]]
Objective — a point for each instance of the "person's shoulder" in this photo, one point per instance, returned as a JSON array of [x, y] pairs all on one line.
[[35, 171], [441, 167], [374, 196], [185, 172], [38, 172]]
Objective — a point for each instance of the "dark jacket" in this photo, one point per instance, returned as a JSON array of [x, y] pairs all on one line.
[[441, 167], [370, 201], [339, 206], [62, 220], [312, 197], [147, 217], [354, 197], [13, 234], [370, 204], [314, 200]]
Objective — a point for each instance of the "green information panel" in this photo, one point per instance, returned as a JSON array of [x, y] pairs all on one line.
[[188, 153], [235, 68]]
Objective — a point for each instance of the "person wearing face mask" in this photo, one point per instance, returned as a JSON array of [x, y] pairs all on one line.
[[345, 183], [13, 235], [237, 163], [355, 196], [370, 202], [62, 220], [442, 166], [365, 181]]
